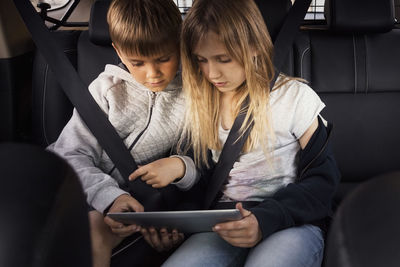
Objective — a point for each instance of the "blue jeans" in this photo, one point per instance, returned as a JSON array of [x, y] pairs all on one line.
[[296, 246]]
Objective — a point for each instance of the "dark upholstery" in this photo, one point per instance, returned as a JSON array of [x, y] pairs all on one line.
[[50, 108], [98, 30], [357, 75], [360, 15], [44, 213], [365, 231], [93, 58]]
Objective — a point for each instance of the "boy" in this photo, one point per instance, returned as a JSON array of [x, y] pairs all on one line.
[[142, 98]]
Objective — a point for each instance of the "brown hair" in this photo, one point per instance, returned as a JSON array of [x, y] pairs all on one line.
[[144, 27]]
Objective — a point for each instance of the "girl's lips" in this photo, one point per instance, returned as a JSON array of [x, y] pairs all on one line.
[[220, 84]]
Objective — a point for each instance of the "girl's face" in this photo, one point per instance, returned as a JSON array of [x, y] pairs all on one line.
[[219, 68]]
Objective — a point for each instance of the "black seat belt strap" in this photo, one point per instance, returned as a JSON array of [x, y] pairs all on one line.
[[231, 150], [288, 32], [82, 100]]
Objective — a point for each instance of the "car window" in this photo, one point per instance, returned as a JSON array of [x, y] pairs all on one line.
[[55, 4], [316, 10], [183, 5]]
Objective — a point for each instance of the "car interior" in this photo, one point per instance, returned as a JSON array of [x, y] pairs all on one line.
[[350, 56]]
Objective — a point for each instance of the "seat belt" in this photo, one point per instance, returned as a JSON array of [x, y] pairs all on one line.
[[231, 150], [86, 106]]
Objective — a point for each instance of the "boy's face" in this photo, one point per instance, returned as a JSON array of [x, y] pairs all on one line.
[[154, 72]]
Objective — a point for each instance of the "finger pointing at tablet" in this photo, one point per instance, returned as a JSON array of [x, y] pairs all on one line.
[[160, 173]]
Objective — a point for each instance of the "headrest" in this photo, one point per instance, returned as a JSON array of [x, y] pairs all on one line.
[[98, 26], [274, 13], [360, 15]]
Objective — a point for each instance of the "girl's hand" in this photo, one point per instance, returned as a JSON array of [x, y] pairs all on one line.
[[123, 203], [243, 233], [162, 240], [160, 173]]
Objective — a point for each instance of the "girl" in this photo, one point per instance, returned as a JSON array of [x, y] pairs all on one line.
[[286, 166]]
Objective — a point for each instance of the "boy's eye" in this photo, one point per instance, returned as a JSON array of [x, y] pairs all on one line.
[[137, 64], [164, 59]]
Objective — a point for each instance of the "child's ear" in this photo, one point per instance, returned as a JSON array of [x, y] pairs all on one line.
[[116, 50]]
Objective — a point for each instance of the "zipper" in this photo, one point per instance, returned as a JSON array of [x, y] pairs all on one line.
[[315, 158], [153, 100]]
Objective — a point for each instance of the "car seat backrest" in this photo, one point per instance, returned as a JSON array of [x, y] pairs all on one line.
[[44, 221], [353, 64], [94, 45], [51, 109], [89, 52]]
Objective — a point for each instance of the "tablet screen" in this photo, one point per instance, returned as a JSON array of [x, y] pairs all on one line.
[[184, 221]]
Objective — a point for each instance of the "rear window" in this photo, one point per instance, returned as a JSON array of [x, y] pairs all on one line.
[[183, 5], [55, 4], [316, 10]]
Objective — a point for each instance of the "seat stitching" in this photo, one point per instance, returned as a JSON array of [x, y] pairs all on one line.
[[366, 66], [355, 65], [301, 63], [44, 104]]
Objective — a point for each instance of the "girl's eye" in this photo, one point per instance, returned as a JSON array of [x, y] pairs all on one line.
[[224, 60], [201, 60], [164, 59]]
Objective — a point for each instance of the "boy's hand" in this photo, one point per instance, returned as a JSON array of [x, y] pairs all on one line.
[[244, 233], [162, 240], [123, 203], [160, 173]]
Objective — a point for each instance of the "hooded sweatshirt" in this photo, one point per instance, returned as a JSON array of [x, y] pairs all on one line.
[[155, 118]]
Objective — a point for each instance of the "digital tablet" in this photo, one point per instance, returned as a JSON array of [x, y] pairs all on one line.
[[184, 221]]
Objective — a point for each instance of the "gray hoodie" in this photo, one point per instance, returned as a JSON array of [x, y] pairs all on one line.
[[130, 107]]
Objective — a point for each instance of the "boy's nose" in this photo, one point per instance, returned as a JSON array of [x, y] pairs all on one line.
[[153, 71]]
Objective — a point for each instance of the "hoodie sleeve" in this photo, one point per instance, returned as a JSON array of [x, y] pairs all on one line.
[[310, 197], [82, 151]]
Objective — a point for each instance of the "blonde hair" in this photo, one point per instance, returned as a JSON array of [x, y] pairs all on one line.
[[144, 27], [241, 28]]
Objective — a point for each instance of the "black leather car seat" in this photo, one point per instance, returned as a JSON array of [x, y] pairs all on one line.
[[44, 218], [365, 231], [353, 64]]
